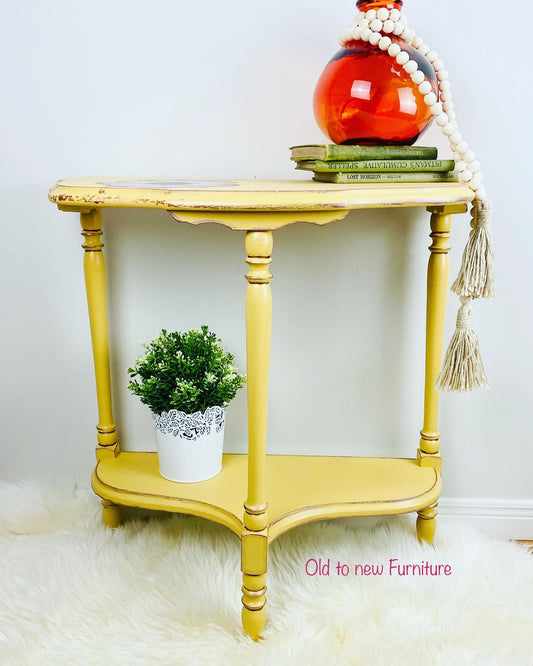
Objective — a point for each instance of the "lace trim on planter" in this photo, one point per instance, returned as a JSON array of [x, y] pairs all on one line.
[[190, 426]]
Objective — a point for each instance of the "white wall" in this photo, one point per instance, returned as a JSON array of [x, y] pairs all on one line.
[[221, 89]]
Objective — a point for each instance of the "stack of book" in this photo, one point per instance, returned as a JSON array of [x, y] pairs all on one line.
[[386, 164]]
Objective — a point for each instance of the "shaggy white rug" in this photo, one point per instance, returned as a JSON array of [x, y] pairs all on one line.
[[167, 591]]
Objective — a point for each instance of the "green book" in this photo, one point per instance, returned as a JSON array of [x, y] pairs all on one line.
[[376, 165], [393, 177], [333, 151]]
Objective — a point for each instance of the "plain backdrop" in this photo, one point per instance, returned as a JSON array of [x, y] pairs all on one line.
[[221, 90]]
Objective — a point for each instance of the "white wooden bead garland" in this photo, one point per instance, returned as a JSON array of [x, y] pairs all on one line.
[[462, 368]]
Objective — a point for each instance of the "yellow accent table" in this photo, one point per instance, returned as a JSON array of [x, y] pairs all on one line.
[[260, 496]]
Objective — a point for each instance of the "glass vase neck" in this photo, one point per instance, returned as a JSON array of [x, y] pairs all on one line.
[[366, 5]]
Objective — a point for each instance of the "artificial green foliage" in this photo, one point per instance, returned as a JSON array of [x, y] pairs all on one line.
[[185, 371]]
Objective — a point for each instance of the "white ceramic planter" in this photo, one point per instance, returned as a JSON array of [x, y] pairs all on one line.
[[189, 446]]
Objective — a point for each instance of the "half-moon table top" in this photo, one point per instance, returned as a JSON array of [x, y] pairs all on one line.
[[252, 203]]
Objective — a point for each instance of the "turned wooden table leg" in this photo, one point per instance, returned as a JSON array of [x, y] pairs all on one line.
[[437, 289], [426, 523], [111, 513], [95, 283], [255, 532]]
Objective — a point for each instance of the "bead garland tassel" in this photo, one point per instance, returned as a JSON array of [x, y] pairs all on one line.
[[475, 278], [462, 368]]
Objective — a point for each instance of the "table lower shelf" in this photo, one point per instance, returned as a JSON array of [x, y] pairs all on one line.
[[300, 489]]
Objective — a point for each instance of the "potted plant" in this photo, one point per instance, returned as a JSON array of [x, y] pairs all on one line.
[[187, 380]]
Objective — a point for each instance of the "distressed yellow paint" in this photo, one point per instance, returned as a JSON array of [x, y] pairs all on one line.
[[95, 281], [426, 523], [111, 513], [254, 552], [259, 496], [234, 203], [253, 604], [301, 489], [437, 290]]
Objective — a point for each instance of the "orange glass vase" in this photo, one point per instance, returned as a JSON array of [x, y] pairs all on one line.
[[365, 97]]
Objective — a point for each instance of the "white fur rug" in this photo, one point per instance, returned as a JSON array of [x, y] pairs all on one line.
[[167, 591]]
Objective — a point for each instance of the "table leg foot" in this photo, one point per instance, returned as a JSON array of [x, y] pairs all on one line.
[[253, 622], [253, 601], [111, 514], [426, 524]]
